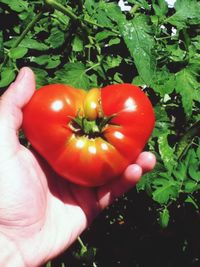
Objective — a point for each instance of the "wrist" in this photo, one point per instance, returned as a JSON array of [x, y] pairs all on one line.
[[10, 255]]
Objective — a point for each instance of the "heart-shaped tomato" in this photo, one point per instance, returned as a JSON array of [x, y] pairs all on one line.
[[90, 137]]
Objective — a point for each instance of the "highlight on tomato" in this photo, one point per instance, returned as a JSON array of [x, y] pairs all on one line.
[[89, 137]]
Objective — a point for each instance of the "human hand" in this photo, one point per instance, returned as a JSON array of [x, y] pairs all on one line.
[[42, 214]]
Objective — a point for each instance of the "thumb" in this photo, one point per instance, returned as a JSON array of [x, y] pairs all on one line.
[[11, 103]]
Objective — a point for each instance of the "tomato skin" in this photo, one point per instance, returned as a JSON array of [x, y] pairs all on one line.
[[134, 114], [88, 161]]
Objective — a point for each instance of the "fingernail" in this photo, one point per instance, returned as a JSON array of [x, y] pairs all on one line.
[[20, 75]]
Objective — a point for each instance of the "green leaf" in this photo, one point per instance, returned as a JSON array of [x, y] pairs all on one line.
[[101, 36], [194, 168], [138, 36], [142, 3], [7, 76], [111, 62], [187, 13], [56, 38], [180, 174], [114, 12], [176, 54], [41, 77], [33, 44], [97, 12], [164, 218], [50, 61], [93, 81], [90, 6], [118, 77], [137, 81], [192, 201], [161, 8], [17, 29], [189, 165], [145, 183], [165, 189], [18, 52], [194, 173], [147, 179], [196, 42], [114, 41], [61, 20], [106, 14], [53, 62], [188, 87], [24, 15], [103, 18], [190, 186], [41, 60], [167, 153], [162, 121], [16, 5], [77, 44], [163, 82], [198, 152], [28, 42], [73, 74]]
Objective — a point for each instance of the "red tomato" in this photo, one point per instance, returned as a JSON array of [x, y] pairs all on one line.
[[90, 137]]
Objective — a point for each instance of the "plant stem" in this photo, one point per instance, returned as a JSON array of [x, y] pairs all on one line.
[[100, 26], [81, 243], [134, 9], [62, 8], [74, 17], [187, 40], [66, 11], [28, 28], [163, 38], [187, 139], [93, 67], [21, 37]]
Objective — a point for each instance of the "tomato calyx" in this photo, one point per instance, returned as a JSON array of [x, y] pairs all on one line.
[[90, 128]]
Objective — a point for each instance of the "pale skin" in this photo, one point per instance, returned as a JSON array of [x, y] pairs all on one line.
[[41, 214]]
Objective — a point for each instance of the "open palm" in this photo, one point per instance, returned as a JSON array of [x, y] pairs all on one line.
[[41, 212]]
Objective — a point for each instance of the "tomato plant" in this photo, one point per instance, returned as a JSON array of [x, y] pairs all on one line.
[[89, 137], [89, 44]]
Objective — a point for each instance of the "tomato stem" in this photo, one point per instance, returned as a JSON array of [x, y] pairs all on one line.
[[91, 128]]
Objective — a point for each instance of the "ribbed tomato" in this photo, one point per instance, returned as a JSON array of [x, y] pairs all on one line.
[[89, 137]]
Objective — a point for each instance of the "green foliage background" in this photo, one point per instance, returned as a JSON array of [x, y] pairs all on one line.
[[91, 44]]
